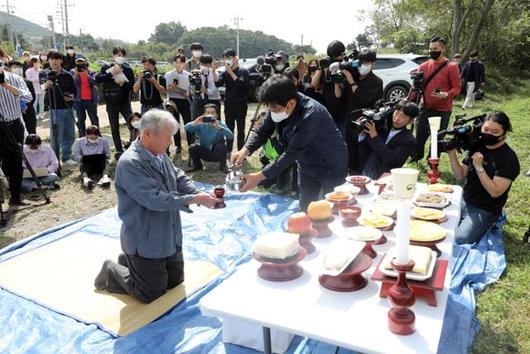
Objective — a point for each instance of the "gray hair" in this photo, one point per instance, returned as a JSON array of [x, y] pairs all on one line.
[[157, 119]]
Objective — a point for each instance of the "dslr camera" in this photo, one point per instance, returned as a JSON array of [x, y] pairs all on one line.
[[464, 134], [147, 75], [196, 80]]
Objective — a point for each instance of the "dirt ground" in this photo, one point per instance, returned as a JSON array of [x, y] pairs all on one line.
[[71, 202]]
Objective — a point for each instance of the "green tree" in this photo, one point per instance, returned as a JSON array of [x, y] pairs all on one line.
[[304, 49], [364, 40], [168, 33]]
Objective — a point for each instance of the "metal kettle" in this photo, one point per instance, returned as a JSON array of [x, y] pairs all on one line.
[[233, 179]]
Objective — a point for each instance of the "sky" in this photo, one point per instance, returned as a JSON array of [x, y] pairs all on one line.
[[318, 22]]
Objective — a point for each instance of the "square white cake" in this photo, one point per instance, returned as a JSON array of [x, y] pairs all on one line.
[[277, 245]]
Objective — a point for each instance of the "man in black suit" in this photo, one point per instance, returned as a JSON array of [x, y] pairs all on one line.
[[382, 151]]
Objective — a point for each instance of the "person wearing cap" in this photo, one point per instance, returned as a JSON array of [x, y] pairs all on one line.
[[457, 58], [382, 149], [117, 79], [150, 85], [282, 62], [472, 78], [236, 81], [86, 98], [69, 58]]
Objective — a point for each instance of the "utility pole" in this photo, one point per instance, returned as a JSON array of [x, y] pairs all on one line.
[[52, 29], [10, 29], [237, 20], [302, 41], [67, 33], [60, 12]]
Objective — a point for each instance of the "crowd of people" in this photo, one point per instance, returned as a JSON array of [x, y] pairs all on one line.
[[314, 131]]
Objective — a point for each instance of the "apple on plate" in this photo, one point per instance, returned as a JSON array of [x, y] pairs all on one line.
[[298, 223]]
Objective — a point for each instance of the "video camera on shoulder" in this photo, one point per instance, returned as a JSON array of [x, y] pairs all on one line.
[[464, 135], [265, 64]]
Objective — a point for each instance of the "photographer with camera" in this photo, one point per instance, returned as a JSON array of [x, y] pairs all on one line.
[[69, 58], [151, 86], [235, 80], [380, 149], [60, 92], [361, 89], [331, 91], [209, 72], [212, 133], [310, 137], [440, 86], [117, 79], [13, 90], [281, 62], [490, 167], [28, 111], [86, 99], [178, 91]]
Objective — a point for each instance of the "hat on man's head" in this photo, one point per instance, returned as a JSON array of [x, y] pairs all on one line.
[[79, 57]]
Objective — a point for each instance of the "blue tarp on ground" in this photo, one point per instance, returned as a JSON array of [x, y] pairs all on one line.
[[224, 237]]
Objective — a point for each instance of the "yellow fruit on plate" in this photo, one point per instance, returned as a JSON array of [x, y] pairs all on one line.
[[319, 210]]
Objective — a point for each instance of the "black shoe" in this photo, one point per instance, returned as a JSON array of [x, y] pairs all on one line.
[[190, 163], [100, 283], [122, 260], [56, 186], [178, 150], [194, 168], [17, 202]]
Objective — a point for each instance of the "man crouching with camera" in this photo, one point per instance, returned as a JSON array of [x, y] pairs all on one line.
[[490, 167], [382, 149]]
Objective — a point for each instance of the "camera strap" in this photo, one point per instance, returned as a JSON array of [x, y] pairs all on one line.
[[428, 81]]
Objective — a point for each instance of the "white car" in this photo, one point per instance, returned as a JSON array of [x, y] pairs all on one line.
[[394, 70]]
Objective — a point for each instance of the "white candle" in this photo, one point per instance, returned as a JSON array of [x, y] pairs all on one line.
[[434, 144], [434, 124], [402, 231]]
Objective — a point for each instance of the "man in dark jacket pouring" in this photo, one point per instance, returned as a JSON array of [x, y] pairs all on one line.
[[311, 138]]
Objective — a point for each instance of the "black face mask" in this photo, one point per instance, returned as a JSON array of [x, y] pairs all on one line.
[[312, 69], [435, 54], [489, 139]]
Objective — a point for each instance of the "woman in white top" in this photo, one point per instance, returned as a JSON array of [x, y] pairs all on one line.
[[32, 74]]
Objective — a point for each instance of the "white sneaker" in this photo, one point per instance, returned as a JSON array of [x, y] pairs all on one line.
[[71, 163], [104, 181], [88, 183]]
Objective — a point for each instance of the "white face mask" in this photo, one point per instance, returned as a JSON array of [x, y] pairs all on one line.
[[196, 53], [136, 124], [228, 62], [278, 117], [119, 60], [365, 69], [70, 51], [44, 58], [279, 67], [17, 71]]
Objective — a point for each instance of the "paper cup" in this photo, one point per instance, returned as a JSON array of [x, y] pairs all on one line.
[[405, 180]]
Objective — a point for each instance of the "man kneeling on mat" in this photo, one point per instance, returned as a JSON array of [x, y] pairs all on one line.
[[151, 193]]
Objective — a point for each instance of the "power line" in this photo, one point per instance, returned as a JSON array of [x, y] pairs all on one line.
[[10, 29]]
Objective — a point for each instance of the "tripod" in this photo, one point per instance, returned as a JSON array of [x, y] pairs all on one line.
[[12, 143]]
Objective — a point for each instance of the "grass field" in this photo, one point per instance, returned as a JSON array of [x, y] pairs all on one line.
[[503, 308]]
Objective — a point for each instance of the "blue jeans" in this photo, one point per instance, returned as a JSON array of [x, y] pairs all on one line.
[[63, 127], [28, 183], [81, 109], [474, 223]]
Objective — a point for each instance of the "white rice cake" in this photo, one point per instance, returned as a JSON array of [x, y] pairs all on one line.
[[277, 245]]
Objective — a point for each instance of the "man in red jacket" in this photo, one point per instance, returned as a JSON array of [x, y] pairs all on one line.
[[439, 92]]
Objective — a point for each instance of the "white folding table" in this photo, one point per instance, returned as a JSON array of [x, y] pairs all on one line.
[[356, 320]]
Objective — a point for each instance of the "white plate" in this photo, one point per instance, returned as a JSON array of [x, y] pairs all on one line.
[[433, 205], [410, 275], [377, 234], [389, 221], [353, 248]]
